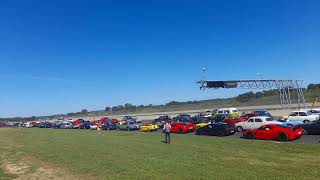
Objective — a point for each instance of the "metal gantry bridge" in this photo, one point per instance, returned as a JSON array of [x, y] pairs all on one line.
[[284, 87]]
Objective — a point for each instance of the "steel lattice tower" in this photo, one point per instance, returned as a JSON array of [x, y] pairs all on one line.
[[284, 87]]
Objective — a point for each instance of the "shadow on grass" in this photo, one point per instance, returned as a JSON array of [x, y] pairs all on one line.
[[164, 142]]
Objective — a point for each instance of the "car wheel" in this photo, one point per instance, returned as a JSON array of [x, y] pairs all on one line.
[[240, 129], [180, 131], [283, 137], [306, 121], [250, 135], [305, 132]]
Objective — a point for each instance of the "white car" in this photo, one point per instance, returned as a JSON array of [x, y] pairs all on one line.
[[28, 125], [227, 111], [93, 127], [315, 111], [255, 123], [303, 115]]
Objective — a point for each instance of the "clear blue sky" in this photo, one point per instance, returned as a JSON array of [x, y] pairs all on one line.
[[62, 56]]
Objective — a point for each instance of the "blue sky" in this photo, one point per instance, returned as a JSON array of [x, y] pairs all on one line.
[[62, 56]]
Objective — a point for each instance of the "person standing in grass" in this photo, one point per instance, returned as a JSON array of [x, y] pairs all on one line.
[[99, 128], [166, 130]]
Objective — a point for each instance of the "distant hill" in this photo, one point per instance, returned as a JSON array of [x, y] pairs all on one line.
[[269, 97]]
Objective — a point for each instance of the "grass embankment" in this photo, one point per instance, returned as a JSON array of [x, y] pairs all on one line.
[[131, 155], [212, 104]]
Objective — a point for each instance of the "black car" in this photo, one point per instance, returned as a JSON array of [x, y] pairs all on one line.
[[311, 128], [198, 119], [165, 118], [220, 117], [182, 118], [216, 129], [109, 125], [45, 125], [85, 125]]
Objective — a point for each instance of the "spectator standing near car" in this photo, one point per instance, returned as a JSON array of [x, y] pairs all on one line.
[[99, 128], [166, 130]]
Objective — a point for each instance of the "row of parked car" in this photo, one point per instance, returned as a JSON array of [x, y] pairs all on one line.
[[257, 124]]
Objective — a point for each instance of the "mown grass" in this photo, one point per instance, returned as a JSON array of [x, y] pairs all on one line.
[[131, 155]]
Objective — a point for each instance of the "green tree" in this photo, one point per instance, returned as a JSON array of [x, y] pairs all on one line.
[[130, 107], [107, 109], [84, 111]]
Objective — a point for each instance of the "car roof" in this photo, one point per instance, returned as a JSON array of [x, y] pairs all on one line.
[[300, 111], [221, 109], [260, 117]]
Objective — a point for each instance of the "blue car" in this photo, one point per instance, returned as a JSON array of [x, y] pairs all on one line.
[[109, 125], [130, 118], [85, 125], [292, 123], [262, 113]]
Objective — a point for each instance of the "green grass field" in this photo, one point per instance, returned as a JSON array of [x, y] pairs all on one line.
[[131, 155]]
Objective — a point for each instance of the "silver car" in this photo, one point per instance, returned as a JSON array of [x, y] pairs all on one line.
[[130, 126], [66, 125]]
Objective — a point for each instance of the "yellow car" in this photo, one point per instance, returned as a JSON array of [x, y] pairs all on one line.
[[148, 128], [200, 125], [121, 122]]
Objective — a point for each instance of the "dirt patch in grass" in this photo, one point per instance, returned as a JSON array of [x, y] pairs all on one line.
[[33, 169], [15, 168]]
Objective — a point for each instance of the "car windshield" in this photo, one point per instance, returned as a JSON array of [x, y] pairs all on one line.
[[269, 119], [309, 113]]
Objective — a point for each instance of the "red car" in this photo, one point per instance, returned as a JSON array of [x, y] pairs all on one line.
[[103, 120], [242, 118], [77, 122], [114, 120], [275, 132], [182, 127]]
